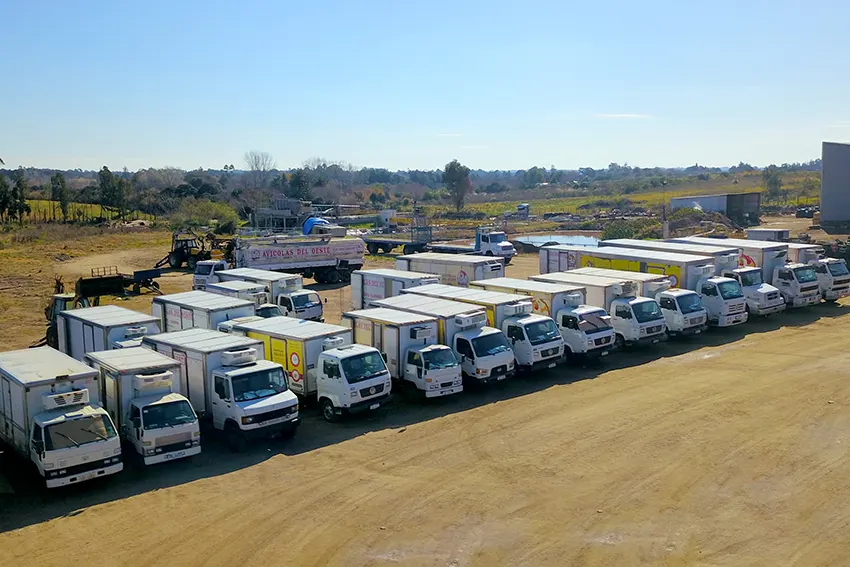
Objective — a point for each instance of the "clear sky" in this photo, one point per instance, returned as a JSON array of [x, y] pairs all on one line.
[[412, 84]]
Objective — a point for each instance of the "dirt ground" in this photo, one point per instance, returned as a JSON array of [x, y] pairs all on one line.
[[731, 449]]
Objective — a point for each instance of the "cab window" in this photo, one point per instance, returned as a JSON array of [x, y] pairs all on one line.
[[709, 290], [667, 303], [569, 322], [515, 333], [286, 303], [331, 369], [414, 358], [222, 388], [785, 275], [464, 348], [623, 312]]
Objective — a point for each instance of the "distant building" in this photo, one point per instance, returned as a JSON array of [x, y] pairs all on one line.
[[835, 183], [743, 208]]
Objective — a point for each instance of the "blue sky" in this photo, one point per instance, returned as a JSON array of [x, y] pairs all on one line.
[[413, 84]]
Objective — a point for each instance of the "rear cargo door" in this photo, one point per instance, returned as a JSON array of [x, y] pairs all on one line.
[[180, 357], [6, 406], [390, 342], [88, 341], [357, 291], [187, 318]]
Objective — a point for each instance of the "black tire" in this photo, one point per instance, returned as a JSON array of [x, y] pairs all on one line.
[[619, 342], [346, 276], [235, 439], [328, 411], [175, 260], [320, 277], [568, 354], [386, 248], [192, 262], [488, 253], [53, 336], [408, 249], [333, 276], [372, 248]]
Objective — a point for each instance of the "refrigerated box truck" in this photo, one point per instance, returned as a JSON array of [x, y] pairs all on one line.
[[231, 384], [198, 309], [409, 343], [101, 328], [484, 353], [370, 285], [454, 269], [833, 275], [142, 390], [723, 258], [49, 414]]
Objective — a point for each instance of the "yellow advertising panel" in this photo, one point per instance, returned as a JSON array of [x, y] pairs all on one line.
[[266, 344], [295, 363], [673, 272], [491, 315]]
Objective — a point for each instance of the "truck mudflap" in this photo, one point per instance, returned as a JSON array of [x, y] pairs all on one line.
[[368, 405]]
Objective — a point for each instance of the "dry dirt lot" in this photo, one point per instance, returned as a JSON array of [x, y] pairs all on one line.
[[731, 449]]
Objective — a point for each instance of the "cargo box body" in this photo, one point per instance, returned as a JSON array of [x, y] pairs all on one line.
[[91, 329], [198, 309], [368, 286], [453, 269]]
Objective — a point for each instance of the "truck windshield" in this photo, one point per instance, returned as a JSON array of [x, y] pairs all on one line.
[[732, 290], [646, 311], [541, 332], [77, 432], [751, 279], [203, 269], [256, 385], [489, 345], [805, 274], [594, 322], [363, 366], [168, 414], [689, 303], [496, 237], [838, 269], [439, 358], [306, 300]]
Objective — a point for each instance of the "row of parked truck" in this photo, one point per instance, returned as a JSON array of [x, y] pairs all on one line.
[[147, 380]]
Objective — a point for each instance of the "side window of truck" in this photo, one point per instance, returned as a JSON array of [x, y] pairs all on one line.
[[784, 275], [623, 312], [515, 333], [821, 268], [286, 303], [667, 303], [331, 369], [36, 433], [568, 322], [709, 290], [414, 358], [464, 348], [221, 388]]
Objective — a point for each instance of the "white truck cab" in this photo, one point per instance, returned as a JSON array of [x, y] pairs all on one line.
[[683, 312], [205, 272], [494, 243], [762, 299], [798, 284], [833, 277], [724, 301], [637, 321], [536, 340], [351, 379], [301, 304], [586, 330]]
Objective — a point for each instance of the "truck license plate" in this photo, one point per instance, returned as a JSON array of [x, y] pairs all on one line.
[[177, 455], [550, 365], [603, 353], [655, 341], [374, 406], [501, 377], [697, 332], [87, 476]]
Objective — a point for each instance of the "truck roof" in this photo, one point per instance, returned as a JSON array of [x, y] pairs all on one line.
[[432, 306], [390, 316], [34, 366], [202, 340], [291, 328], [621, 274], [203, 300], [131, 359], [156, 399], [801, 246], [528, 285], [617, 252], [110, 316], [58, 415], [481, 296], [681, 247], [582, 279], [451, 258], [350, 350], [237, 285], [400, 274], [735, 242], [255, 273]]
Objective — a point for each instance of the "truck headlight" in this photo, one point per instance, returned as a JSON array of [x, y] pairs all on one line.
[[49, 466], [196, 442], [511, 364], [642, 331], [149, 452], [196, 434], [480, 371], [247, 420], [147, 443]]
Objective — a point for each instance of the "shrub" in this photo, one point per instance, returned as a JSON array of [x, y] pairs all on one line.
[[200, 212]]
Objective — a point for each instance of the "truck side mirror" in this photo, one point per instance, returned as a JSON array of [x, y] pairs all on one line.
[[326, 300], [38, 447], [384, 356]]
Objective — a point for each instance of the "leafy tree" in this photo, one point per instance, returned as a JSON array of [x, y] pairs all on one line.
[[772, 182], [59, 192], [299, 185], [5, 197], [456, 180], [112, 190], [19, 205]]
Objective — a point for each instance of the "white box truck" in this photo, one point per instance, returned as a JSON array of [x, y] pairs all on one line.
[[198, 309], [535, 339], [409, 343], [833, 275], [49, 414], [101, 328], [301, 346], [761, 298], [141, 391], [230, 383], [282, 289], [484, 353], [370, 285], [636, 320], [683, 309], [586, 330], [454, 269], [253, 292], [769, 258]]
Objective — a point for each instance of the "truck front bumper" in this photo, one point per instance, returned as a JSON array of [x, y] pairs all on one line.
[[689, 331], [731, 320], [650, 340], [370, 404], [766, 310], [173, 454], [74, 478], [805, 301], [544, 364], [263, 431], [444, 391], [835, 294]]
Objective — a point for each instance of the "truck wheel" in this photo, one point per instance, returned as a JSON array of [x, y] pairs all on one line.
[[174, 260], [346, 276], [488, 253], [372, 248], [387, 248], [333, 276], [320, 277], [329, 411], [192, 262], [235, 439], [408, 249], [620, 342]]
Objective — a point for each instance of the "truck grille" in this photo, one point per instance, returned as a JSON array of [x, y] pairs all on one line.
[[842, 282], [174, 447], [602, 341], [371, 391], [499, 370], [739, 308], [549, 352], [270, 415], [652, 330], [696, 321], [773, 296], [85, 467], [446, 384], [808, 288]]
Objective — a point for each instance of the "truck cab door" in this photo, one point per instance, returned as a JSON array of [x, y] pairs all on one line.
[[329, 382], [670, 310], [519, 344], [568, 325], [132, 429], [413, 369], [784, 280], [624, 322], [37, 447], [221, 401], [710, 299], [463, 350], [285, 304]]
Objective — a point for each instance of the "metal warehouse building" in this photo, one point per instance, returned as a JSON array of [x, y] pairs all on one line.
[[743, 208], [835, 183]]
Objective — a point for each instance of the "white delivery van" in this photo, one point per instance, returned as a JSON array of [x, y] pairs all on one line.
[[101, 328], [231, 384], [409, 343], [370, 285], [198, 309], [142, 391], [484, 352], [49, 414], [454, 269]]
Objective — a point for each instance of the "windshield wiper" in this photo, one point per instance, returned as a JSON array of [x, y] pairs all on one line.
[[66, 437], [93, 432]]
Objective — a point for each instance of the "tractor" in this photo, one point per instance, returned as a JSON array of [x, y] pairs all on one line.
[[186, 247]]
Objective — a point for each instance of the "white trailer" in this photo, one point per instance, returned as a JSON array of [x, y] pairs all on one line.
[[409, 343], [368, 286], [49, 414], [454, 269], [249, 291], [90, 329], [198, 309], [535, 339], [484, 352], [230, 383], [142, 391]]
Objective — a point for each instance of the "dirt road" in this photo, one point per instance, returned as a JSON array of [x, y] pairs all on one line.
[[728, 450]]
